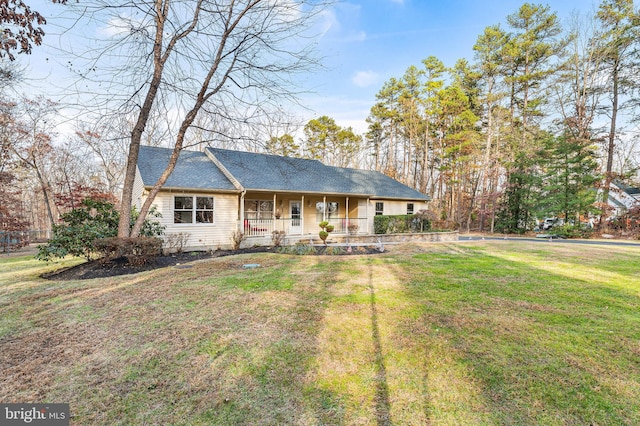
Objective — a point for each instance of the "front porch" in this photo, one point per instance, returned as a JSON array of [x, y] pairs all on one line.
[[298, 215], [297, 227]]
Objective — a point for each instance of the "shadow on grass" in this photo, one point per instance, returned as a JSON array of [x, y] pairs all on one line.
[[382, 405]]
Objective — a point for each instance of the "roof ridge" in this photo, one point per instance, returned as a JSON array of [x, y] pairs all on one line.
[[265, 154]]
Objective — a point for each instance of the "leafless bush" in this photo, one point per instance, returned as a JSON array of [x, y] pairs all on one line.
[[237, 238], [277, 237], [176, 241], [137, 251]]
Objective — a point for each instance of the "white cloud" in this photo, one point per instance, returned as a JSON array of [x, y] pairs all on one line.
[[328, 21], [364, 78]]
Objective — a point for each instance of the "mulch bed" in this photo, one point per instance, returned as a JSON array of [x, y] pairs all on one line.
[[102, 269]]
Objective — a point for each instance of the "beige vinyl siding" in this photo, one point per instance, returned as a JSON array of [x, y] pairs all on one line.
[[138, 190], [202, 236], [391, 207]]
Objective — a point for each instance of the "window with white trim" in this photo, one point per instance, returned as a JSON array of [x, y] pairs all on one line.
[[192, 209], [258, 209], [379, 208], [409, 208]]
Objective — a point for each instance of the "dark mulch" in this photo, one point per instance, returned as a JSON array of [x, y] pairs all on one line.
[[102, 269], [115, 267]]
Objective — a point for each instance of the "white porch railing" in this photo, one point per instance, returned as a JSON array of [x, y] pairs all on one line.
[[259, 227], [353, 226], [265, 227]]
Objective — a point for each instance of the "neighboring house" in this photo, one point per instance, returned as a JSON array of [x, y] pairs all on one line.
[[622, 198], [212, 194]]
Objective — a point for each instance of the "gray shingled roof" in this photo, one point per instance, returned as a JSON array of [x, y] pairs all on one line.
[[276, 173], [194, 170], [626, 188], [263, 172]]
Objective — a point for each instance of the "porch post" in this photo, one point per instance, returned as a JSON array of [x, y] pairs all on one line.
[[347, 215], [273, 213], [324, 209], [367, 213], [302, 215]]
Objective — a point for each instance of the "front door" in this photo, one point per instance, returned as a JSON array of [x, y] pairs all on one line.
[[295, 228]]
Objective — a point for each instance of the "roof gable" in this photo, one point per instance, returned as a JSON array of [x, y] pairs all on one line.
[[194, 170]]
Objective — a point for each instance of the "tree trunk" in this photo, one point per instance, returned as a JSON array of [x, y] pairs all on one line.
[[44, 183], [612, 134], [136, 135]]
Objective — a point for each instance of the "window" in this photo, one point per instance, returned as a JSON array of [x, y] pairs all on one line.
[[193, 210], [332, 210], [379, 208], [409, 208], [258, 209]]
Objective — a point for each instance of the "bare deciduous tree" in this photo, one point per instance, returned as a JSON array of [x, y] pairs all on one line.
[[232, 60]]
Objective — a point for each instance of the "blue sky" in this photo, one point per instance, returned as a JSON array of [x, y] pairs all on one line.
[[364, 44], [370, 41]]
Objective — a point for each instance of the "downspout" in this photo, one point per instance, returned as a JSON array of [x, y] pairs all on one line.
[[241, 221]]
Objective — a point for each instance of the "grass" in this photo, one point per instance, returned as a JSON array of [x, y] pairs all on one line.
[[462, 333]]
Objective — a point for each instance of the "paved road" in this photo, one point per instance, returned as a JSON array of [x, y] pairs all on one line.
[[552, 240]]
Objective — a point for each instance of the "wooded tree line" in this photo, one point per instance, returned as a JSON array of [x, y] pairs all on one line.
[[539, 120]]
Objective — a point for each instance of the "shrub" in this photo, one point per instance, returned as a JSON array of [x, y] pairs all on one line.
[[334, 250], [237, 238], [298, 248], [151, 227], [400, 224], [137, 251], [277, 237], [82, 226], [326, 229], [571, 231], [176, 241]]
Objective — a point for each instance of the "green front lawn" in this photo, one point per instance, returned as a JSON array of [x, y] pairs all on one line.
[[460, 333]]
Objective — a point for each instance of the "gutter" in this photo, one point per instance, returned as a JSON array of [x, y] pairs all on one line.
[[185, 189]]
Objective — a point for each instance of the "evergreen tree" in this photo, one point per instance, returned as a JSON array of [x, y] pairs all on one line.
[[283, 145], [330, 143], [529, 53], [569, 176]]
